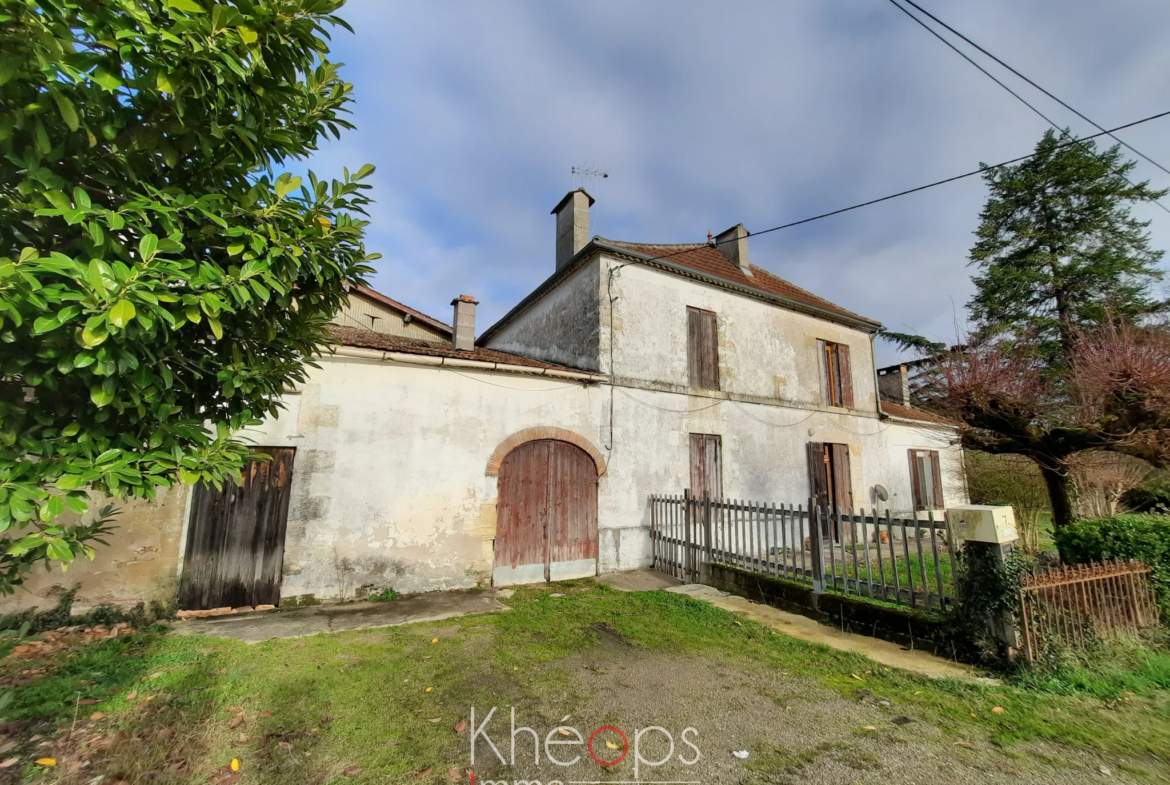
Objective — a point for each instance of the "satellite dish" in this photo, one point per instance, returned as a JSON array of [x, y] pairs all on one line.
[[881, 493]]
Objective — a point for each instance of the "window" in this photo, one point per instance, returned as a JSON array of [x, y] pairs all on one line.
[[836, 376], [706, 466], [926, 480], [702, 349], [830, 479]]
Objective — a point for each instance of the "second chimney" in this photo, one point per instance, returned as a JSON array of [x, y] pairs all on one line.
[[463, 334], [572, 224], [734, 245], [894, 385]]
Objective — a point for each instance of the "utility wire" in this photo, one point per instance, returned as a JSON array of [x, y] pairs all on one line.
[[908, 191], [1016, 95], [1128, 146]]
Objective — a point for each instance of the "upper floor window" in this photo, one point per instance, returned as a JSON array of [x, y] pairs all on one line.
[[836, 376], [702, 349], [926, 480]]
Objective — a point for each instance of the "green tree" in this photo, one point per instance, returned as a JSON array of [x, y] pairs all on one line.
[[160, 284], [1058, 249], [1064, 358]]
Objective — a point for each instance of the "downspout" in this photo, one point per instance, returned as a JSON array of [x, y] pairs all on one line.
[[877, 390]]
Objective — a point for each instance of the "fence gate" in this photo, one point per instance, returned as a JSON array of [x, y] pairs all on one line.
[[235, 541], [1072, 603]]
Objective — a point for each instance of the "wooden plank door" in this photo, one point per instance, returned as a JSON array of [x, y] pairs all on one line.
[[546, 515], [706, 465], [235, 540]]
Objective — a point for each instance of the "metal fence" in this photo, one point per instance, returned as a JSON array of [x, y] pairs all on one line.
[[1071, 604], [898, 559]]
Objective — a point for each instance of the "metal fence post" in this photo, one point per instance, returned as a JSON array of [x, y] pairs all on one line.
[[816, 546]]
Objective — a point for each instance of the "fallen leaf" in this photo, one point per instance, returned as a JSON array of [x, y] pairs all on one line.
[[235, 764], [265, 714], [435, 719], [133, 694], [97, 715], [564, 732], [154, 675], [998, 710], [515, 668], [284, 745], [300, 645], [352, 770], [429, 689], [741, 754], [46, 761], [460, 726], [236, 722], [611, 745], [854, 675], [739, 623], [454, 774], [434, 640], [9, 763], [242, 738], [870, 727], [87, 702], [424, 772]]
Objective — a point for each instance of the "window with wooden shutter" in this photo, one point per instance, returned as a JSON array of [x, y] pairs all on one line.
[[830, 479], [926, 480], [702, 349], [706, 465], [836, 374]]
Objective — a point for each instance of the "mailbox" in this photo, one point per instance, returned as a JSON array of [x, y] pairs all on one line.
[[983, 523]]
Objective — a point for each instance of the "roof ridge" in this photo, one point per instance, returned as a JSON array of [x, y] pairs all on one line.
[[651, 245]]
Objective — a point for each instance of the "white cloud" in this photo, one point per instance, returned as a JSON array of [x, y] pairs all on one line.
[[708, 114]]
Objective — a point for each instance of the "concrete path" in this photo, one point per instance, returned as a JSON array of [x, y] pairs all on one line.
[[889, 654], [262, 626]]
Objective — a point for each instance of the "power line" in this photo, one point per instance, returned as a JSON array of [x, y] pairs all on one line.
[[1016, 95], [908, 191], [1128, 146]]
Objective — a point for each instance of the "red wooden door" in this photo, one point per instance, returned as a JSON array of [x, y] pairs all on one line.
[[546, 517]]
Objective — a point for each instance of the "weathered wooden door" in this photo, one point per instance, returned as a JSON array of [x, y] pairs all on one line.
[[235, 540], [546, 516], [830, 481]]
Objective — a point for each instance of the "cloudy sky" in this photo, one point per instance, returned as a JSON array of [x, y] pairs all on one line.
[[707, 114]]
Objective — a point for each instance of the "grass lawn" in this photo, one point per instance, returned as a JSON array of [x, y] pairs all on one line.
[[392, 705]]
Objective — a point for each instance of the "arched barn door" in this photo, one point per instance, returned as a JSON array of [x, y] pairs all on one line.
[[546, 517]]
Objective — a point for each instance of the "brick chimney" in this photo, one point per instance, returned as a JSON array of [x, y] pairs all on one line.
[[463, 336], [894, 385], [572, 224], [734, 245]]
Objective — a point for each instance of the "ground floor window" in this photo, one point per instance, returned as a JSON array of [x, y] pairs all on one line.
[[706, 465], [926, 480]]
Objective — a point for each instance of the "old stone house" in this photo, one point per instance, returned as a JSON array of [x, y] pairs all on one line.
[[421, 458]]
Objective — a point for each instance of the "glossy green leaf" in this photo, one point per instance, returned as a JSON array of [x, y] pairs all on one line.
[[121, 313]]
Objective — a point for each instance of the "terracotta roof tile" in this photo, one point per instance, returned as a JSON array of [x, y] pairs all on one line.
[[906, 413], [707, 259], [367, 339]]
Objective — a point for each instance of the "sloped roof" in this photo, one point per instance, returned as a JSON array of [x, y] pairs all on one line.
[[415, 314], [906, 413], [368, 339], [705, 258]]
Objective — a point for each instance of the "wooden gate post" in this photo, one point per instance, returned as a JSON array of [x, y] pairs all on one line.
[[816, 545], [707, 551], [686, 545]]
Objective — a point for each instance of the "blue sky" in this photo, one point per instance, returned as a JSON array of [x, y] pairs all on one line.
[[708, 114]]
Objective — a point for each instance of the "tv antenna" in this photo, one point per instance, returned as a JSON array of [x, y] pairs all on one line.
[[588, 172]]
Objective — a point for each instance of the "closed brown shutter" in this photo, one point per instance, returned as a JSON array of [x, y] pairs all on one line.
[[823, 364], [702, 349], [845, 374], [818, 474], [935, 470], [706, 465], [915, 482], [842, 476]]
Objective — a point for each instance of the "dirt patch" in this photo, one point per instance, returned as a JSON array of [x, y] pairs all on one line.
[[792, 729]]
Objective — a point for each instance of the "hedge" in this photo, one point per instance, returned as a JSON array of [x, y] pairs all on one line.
[[1145, 537]]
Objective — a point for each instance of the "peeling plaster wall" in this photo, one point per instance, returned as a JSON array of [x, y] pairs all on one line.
[[140, 564], [766, 352], [562, 327]]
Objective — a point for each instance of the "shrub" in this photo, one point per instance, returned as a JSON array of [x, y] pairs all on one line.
[[1148, 498], [1145, 537]]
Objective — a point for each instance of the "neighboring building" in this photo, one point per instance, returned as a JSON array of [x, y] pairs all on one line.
[[529, 454], [374, 311]]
